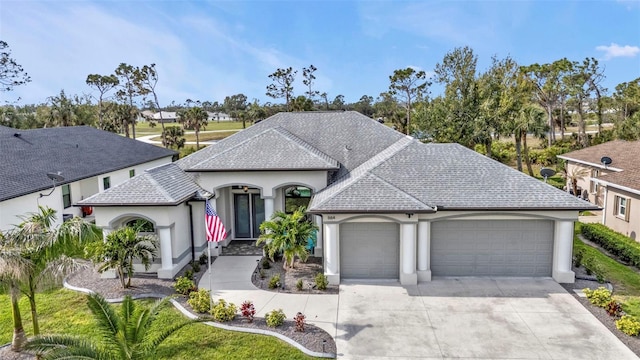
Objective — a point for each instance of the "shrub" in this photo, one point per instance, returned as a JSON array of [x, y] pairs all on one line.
[[200, 301], [613, 308], [195, 266], [321, 281], [275, 318], [624, 247], [266, 264], [299, 285], [247, 310], [184, 286], [628, 325], [203, 259], [588, 264], [262, 274], [223, 312], [598, 297], [577, 257], [300, 321], [274, 282], [189, 274]]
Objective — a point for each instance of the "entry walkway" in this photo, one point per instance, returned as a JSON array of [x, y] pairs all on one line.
[[231, 281]]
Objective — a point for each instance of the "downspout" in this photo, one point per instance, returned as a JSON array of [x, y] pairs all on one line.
[[604, 205], [193, 247]]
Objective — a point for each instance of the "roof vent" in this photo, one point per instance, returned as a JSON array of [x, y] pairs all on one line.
[[605, 160], [17, 135]]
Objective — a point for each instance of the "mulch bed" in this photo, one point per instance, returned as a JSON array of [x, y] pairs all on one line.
[[302, 270], [632, 342]]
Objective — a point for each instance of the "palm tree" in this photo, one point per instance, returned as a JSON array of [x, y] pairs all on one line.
[[287, 234], [173, 137], [576, 174], [530, 120], [195, 118], [12, 268], [121, 247], [49, 252], [129, 334]]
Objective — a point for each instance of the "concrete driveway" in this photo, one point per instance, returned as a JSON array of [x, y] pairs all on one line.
[[470, 318]]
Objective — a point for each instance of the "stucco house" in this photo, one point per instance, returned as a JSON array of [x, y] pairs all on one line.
[[387, 205], [614, 186], [82, 160]]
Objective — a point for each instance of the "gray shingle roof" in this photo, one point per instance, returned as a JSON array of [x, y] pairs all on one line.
[[346, 136], [76, 152], [442, 176], [282, 149], [163, 185]]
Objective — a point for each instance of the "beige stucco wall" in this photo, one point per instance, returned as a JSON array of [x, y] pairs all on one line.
[[630, 228]]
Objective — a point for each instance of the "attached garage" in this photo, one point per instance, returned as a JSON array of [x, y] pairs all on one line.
[[369, 250], [492, 248]]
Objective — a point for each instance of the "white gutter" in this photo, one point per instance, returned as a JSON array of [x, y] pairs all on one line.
[[614, 185], [600, 166]]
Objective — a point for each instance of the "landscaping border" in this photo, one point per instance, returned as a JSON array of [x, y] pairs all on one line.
[[190, 315]]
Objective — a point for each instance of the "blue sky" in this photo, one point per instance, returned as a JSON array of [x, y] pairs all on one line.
[[208, 50]]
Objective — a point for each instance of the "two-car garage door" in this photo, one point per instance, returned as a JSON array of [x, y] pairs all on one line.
[[458, 248], [492, 248]]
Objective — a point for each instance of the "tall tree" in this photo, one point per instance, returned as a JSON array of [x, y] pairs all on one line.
[[235, 105], [365, 105], [325, 97], [146, 82], [547, 79], [173, 137], [128, 90], [195, 118], [13, 268], [529, 121], [579, 85], [131, 333], [338, 103], [408, 85], [102, 83], [301, 103], [282, 86], [309, 78], [11, 73]]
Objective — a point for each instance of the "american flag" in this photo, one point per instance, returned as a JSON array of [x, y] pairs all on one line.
[[215, 229]]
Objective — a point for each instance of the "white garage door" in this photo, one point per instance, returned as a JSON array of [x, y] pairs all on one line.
[[492, 248], [369, 250]]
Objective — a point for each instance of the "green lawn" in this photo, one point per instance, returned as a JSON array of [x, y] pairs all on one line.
[[625, 279], [205, 136], [143, 128], [65, 312]]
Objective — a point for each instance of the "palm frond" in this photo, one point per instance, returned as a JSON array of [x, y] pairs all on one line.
[[108, 321], [154, 341], [63, 346]]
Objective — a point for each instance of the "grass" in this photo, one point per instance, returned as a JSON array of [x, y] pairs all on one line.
[[65, 312], [143, 128], [205, 136]]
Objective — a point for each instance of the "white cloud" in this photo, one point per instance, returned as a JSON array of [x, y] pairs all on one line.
[[614, 50]]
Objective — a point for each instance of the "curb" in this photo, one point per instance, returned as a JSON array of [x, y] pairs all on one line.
[[191, 316]]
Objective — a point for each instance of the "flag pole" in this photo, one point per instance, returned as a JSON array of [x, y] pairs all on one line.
[[210, 276]]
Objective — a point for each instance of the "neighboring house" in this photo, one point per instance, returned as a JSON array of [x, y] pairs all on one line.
[[218, 116], [83, 161], [165, 117], [387, 205], [615, 186]]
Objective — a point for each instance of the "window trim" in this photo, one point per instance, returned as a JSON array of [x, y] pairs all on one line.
[[618, 206], [66, 203]]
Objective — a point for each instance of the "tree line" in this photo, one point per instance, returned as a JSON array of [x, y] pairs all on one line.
[[475, 109]]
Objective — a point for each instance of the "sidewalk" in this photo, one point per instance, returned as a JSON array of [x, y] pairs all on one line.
[[231, 281]]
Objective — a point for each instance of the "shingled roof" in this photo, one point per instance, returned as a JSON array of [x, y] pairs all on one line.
[[163, 185], [26, 156], [430, 177], [624, 168]]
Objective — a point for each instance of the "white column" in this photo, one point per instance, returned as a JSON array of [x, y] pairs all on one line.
[[332, 253], [604, 205], [408, 274], [319, 238], [562, 252], [268, 207], [166, 271], [424, 252]]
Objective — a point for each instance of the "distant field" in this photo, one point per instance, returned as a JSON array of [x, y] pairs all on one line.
[[207, 136], [143, 128]]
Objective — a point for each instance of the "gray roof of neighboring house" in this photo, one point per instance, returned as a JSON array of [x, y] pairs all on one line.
[[425, 177], [348, 137], [78, 152], [282, 149], [163, 185]]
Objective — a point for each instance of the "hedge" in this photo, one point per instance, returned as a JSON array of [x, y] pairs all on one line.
[[624, 247]]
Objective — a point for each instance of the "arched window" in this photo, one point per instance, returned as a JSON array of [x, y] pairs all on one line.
[[146, 225], [296, 196]]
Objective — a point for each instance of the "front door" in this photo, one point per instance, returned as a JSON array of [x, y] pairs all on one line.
[[249, 214]]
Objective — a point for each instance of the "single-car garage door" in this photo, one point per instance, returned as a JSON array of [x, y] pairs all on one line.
[[369, 250], [492, 248]]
